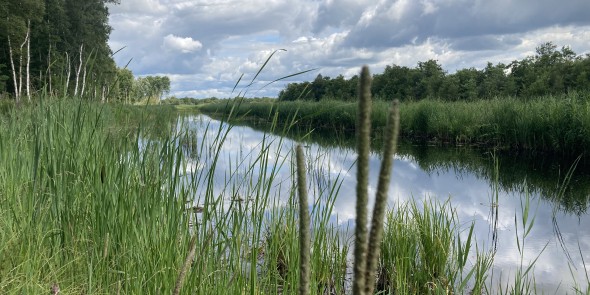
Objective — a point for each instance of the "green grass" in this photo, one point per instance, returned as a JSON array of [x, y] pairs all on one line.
[[422, 252], [553, 124], [93, 200], [80, 201]]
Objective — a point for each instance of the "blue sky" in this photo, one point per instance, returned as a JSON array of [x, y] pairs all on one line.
[[205, 46]]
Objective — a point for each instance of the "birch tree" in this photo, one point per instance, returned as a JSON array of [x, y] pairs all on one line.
[[40, 44]]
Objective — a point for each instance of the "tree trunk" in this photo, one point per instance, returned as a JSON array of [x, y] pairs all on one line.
[[16, 93], [20, 65], [103, 93], [28, 38], [78, 72], [68, 73], [49, 70], [83, 82]]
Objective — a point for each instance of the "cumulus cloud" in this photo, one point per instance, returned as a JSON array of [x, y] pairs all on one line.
[[217, 41], [399, 22], [184, 45]]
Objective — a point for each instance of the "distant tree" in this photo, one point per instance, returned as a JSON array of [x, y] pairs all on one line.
[[395, 82], [151, 87], [337, 89], [123, 88], [296, 91], [468, 80], [495, 82], [318, 87], [430, 79], [16, 20]]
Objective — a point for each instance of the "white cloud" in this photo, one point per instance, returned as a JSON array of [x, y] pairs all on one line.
[[184, 45], [217, 41], [139, 7]]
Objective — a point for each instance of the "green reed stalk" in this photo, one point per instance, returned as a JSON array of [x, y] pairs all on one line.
[[304, 235], [187, 263], [363, 149], [392, 132]]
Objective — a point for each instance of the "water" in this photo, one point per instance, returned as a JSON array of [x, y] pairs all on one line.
[[559, 239]]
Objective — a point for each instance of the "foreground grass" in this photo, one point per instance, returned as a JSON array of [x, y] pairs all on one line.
[[93, 201], [79, 201], [554, 124]]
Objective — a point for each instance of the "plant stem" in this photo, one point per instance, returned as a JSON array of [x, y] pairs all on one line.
[[363, 149], [304, 235], [374, 247]]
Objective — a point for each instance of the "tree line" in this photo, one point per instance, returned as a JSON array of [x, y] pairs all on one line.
[[549, 71], [129, 89], [60, 47]]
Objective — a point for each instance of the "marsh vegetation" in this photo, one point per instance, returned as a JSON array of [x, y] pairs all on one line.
[[99, 198]]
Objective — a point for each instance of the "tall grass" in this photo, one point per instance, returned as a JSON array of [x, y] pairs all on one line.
[[557, 124], [94, 207], [79, 203], [423, 254]]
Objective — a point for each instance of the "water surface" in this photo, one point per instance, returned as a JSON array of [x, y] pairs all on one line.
[[560, 237]]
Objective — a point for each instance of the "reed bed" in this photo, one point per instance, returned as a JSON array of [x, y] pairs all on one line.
[[555, 124]]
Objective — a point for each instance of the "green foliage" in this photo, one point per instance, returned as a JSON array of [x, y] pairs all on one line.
[[549, 72], [58, 29], [151, 87], [123, 88], [88, 204], [92, 207], [188, 100]]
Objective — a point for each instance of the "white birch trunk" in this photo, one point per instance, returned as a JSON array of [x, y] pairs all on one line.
[[28, 60], [20, 65], [16, 93], [83, 82], [78, 71], [69, 72]]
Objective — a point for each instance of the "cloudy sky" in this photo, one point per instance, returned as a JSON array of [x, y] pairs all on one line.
[[204, 46]]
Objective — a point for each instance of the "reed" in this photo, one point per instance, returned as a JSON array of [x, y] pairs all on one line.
[[363, 149], [304, 235], [555, 124]]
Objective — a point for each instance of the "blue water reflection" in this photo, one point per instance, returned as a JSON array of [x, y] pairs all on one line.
[[470, 193]]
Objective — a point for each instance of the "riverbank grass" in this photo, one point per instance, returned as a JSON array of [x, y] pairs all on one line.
[[554, 124]]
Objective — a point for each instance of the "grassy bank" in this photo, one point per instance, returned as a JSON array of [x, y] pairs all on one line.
[[79, 201], [554, 124]]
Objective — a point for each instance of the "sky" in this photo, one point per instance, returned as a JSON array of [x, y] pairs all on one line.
[[204, 47]]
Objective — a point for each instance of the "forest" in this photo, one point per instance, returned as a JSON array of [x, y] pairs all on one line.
[[60, 48], [550, 71]]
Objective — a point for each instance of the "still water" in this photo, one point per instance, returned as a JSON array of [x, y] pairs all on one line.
[[559, 239]]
